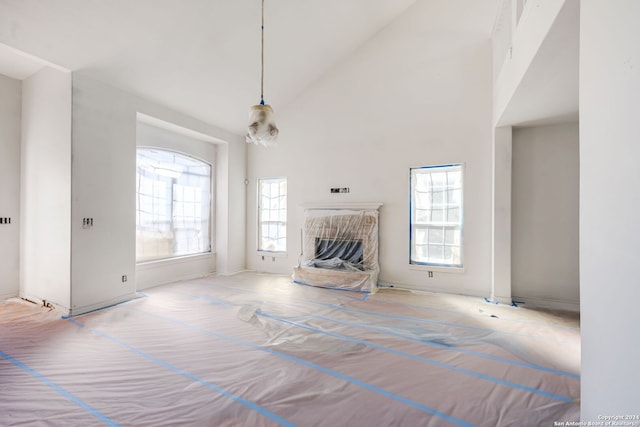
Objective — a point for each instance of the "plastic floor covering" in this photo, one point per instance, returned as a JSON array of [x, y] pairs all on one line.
[[257, 350]]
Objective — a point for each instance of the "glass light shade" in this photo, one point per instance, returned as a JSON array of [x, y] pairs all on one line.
[[262, 128]]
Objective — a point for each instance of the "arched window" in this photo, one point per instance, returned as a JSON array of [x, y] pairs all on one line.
[[173, 205]]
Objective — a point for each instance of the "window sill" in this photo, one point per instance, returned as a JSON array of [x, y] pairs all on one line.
[[175, 260], [437, 268]]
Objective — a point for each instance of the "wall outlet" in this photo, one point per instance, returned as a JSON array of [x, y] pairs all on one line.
[[5, 220], [430, 274], [124, 278], [87, 222]]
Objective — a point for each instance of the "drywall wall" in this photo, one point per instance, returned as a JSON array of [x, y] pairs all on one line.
[[418, 93], [609, 206], [10, 122], [155, 273], [45, 245], [544, 219], [526, 39], [104, 145], [547, 91]]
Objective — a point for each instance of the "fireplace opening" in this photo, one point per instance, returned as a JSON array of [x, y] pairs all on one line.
[[330, 251]]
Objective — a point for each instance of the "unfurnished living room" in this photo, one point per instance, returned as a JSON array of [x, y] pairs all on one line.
[[319, 213]]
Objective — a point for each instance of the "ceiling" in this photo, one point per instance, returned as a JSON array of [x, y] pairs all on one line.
[[199, 57]]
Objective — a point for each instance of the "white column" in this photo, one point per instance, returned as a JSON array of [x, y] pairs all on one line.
[[609, 206], [501, 216], [45, 188]]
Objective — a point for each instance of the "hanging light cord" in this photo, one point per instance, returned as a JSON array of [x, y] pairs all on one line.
[[262, 59]]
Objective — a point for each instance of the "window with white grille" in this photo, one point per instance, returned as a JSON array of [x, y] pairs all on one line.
[[437, 215], [272, 214]]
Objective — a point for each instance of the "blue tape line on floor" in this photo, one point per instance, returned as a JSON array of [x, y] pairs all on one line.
[[68, 395], [423, 359], [393, 334], [435, 322], [312, 365], [450, 348], [424, 342], [502, 319], [186, 374], [413, 319], [75, 322], [334, 289]]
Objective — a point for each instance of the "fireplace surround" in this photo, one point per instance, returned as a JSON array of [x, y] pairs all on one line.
[[340, 247]]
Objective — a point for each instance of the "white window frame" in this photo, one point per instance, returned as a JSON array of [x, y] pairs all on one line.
[[278, 222], [209, 246], [414, 225]]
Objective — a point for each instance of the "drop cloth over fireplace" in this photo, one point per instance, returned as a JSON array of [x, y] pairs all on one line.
[[339, 250]]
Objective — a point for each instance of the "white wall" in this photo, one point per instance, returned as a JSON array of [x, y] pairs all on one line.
[[609, 206], [104, 144], [417, 94], [46, 187], [10, 122], [533, 27], [159, 272], [545, 203]]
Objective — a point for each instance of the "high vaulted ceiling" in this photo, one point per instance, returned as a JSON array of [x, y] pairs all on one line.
[[199, 57]]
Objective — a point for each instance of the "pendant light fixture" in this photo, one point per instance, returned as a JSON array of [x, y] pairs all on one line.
[[262, 129]]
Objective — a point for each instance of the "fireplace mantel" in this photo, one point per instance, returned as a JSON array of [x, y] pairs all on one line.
[[354, 206]]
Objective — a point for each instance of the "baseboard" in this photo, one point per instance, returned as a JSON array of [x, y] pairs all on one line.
[[4, 297], [76, 311], [404, 287], [233, 272], [550, 303]]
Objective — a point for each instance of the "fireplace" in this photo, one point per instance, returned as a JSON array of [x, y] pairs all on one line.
[[347, 251], [340, 247]]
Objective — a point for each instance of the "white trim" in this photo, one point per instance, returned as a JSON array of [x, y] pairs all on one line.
[[550, 303], [181, 130], [472, 293], [143, 265], [160, 272], [343, 205], [437, 268], [76, 311]]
